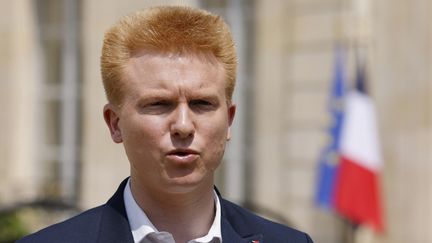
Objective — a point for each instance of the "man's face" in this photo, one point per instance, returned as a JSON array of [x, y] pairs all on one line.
[[174, 121]]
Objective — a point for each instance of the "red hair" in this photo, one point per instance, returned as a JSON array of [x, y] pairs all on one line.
[[166, 30]]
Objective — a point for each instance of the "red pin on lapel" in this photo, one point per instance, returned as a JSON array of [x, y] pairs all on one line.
[[255, 241]]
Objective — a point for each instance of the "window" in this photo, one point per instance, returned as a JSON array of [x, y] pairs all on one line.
[[58, 23]]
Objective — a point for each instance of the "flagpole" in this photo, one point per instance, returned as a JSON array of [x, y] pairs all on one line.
[[349, 231], [343, 41]]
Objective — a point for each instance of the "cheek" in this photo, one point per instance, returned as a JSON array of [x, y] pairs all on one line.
[[216, 136], [141, 133], [216, 127]]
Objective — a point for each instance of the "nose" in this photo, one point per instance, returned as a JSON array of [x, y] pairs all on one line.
[[182, 125]]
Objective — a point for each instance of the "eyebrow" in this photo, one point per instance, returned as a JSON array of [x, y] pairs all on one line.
[[204, 96], [151, 97]]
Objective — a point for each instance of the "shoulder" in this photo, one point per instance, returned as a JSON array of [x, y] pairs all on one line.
[[245, 222], [80, 228]]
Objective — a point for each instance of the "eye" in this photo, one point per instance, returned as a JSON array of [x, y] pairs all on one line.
[[201, 102], [156, 107], [158, 104], [202, 105]]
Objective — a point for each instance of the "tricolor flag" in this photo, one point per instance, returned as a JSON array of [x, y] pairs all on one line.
[[350, 164], [357, 193]]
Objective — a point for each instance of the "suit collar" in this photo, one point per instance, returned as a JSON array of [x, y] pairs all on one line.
[[114, 224], [230, 232], [230, 235]]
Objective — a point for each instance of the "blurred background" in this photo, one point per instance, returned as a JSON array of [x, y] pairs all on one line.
[[57, 158]]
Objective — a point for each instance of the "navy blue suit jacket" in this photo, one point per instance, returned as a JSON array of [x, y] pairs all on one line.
[[109, 224]]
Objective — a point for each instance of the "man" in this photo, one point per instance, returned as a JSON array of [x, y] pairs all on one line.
[[169, 75]]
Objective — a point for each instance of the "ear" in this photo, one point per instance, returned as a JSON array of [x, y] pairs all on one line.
[[231, 114], [111, 116]]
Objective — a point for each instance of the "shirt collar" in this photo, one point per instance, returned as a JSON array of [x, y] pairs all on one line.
[[141, 225]]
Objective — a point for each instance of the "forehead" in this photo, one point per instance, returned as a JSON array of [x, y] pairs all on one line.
[[169, 71]]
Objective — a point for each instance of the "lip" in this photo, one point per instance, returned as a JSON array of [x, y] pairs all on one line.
[[182, 156]]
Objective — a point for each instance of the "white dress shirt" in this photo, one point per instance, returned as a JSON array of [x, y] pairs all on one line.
[[144, 231]]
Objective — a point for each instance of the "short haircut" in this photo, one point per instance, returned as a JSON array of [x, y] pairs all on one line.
[[166, 30]]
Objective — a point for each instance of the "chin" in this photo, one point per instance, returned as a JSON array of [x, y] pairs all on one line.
[[188, 183]]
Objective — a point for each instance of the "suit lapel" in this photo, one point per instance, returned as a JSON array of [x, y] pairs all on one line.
[[114, 225], [229, 235], [231, 223]]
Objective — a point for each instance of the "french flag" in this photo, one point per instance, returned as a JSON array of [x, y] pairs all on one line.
[[356, 193], [349, 166]]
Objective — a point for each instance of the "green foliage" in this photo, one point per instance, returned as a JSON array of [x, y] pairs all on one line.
[[11, 227]]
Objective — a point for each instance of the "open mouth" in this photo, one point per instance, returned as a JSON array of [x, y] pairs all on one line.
[[181, 153], [182, 156]]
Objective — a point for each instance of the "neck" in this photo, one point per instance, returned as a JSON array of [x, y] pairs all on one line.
[[186, 215]]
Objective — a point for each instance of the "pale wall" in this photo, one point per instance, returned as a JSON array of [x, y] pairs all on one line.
[[402, 47], [18, 101]]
